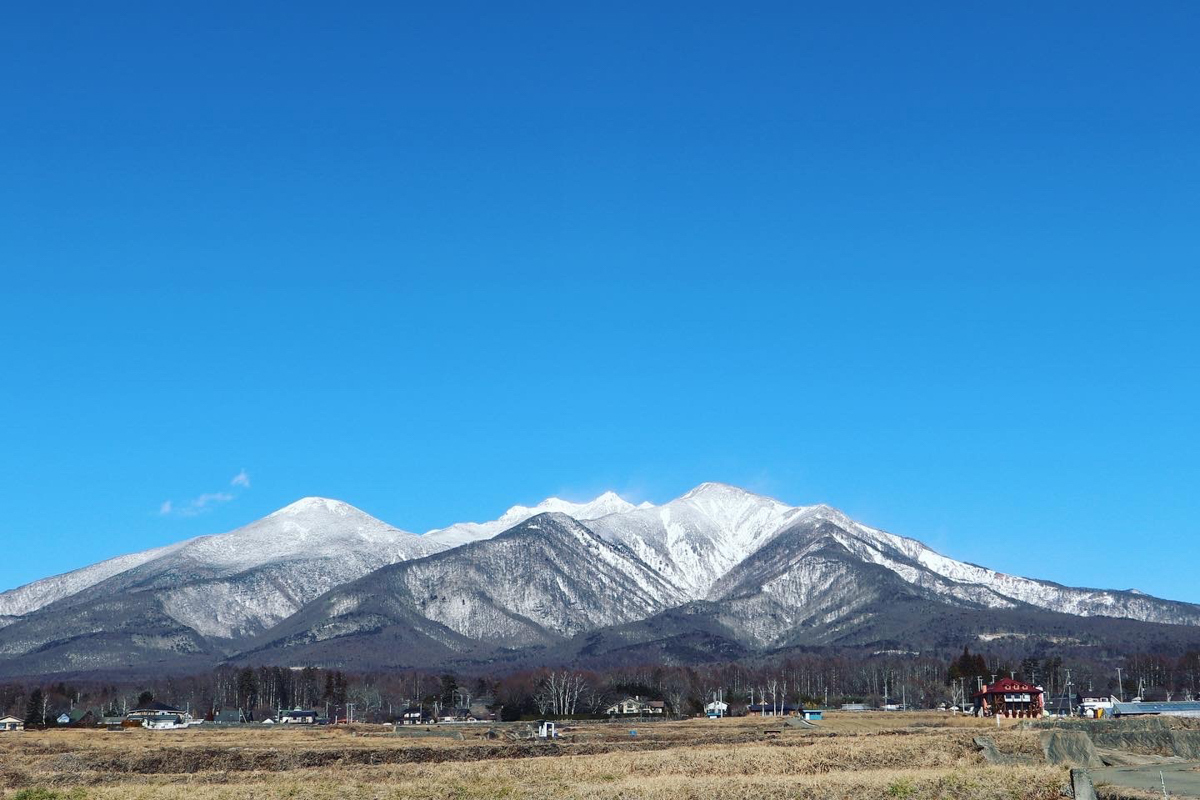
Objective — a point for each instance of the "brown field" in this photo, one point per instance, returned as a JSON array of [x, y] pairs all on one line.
[[848, 756]]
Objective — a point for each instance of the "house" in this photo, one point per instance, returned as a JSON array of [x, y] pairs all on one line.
[[415, 715], [159, 716], [631, 706], [1094, 704], [76, 716], [1008, 697], [457, 715], [11, 724], [1062, 705], [299, 716], [717, 709], [166, 723], [770, 710], [1175, 709], [230, 716]]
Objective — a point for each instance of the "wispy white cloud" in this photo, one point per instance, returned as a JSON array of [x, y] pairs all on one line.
[[206, 502]]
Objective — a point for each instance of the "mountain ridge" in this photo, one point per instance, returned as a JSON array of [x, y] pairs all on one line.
[[735, 570]]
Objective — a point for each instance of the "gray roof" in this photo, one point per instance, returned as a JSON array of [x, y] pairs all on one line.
[[1190, 708]]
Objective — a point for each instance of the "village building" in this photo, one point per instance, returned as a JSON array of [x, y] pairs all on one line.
[[717, 709], [230, 716], [11, 724], [1008, 697], [77, 716], [159, 716], [1165, 709], [1095, 704], [299, 716], [636, 706], [457, 715], [415, 715]]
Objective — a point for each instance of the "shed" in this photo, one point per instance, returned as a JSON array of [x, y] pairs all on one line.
[[11, 724]]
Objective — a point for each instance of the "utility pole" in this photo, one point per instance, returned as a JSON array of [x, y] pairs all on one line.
[[1070, 700], [1120, 686]]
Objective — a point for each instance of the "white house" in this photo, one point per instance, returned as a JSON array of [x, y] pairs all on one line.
[[160, 717], [11, 724], [716, 709], [636, 705]]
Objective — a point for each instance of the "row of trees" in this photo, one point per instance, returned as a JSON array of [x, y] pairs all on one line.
[[798, 680]]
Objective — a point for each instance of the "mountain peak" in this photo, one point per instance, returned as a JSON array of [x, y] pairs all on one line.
[[714, 490], [320, 504], [607, 503]]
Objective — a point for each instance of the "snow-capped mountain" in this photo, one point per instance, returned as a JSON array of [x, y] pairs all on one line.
[[464, 532], [694, 540], [539, 583], [32, 596], [201, 594], [712, 571]]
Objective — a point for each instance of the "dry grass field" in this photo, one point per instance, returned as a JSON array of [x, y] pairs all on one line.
[[848, 756]]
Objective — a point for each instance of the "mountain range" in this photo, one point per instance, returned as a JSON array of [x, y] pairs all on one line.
[[716, 573]]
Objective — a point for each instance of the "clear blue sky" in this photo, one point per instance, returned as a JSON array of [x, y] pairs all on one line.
[[932, 263]]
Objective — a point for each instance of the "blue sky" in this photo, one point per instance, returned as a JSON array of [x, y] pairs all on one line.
[[933, 264]]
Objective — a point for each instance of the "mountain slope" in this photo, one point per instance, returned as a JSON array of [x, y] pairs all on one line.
[[40, 593], [544, 580], [825, 575], [206, 593], [695, 539], [464, 532]]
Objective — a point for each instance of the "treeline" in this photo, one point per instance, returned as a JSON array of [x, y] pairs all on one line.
[[809, 680]]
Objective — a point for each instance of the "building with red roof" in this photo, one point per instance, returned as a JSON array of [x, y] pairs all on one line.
[[1009, 698]]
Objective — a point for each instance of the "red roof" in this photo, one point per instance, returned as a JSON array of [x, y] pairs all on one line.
[[1008, 686]]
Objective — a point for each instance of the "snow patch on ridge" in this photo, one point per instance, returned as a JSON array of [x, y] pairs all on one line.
[[464, 532]]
